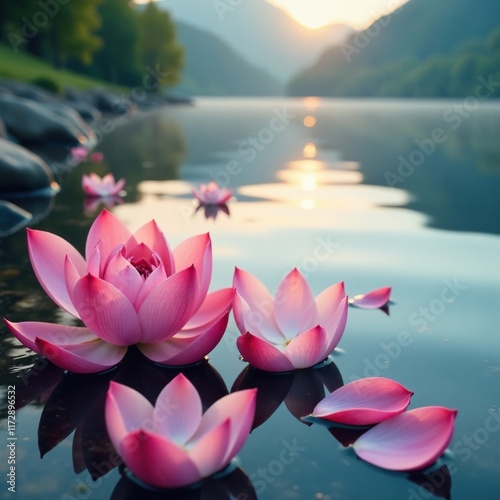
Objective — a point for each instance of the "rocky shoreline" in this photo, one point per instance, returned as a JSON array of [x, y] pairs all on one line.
[[32, 119]]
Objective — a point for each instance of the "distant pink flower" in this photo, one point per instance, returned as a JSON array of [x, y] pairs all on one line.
[[366, 401], [79, 153], [372, 300], [131, 290], [93, 185], [96, 157], [212, 194], [173, 444], [412, 440], [291, 331]]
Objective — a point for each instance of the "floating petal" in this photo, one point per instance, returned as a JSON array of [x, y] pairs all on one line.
[[372, 300]]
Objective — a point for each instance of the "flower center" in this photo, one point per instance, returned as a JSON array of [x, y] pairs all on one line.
[[144, 266]]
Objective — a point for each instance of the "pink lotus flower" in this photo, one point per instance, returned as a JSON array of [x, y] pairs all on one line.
[[96, 157], [93, 185], [174, 444], [366, 401], [131, 290], [212, 194], [409, 441], [79, 154], [372, 300], [292, 331]]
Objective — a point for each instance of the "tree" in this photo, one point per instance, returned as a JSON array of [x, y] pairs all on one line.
[[159, 52]]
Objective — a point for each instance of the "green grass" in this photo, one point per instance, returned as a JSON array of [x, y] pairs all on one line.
[[26, 68]]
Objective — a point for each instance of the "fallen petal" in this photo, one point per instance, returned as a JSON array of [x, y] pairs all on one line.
[[364, 402], [372, 300], [409, 441]]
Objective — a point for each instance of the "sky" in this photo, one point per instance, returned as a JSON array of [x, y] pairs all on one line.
[[356, 13]]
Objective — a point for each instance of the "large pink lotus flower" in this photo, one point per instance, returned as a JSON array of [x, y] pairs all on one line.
[[174, 444], [292, 331], [212, 194], [93, 185], [131, 290], [408, 441], [366, 401]]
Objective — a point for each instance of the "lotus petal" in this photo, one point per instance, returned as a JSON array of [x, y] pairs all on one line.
[[295, 309], [364, 402], [334, 334], [262, 354], [171, 466], [88, 357], [47, 254], [409, 441], [214, 305], [308, 348], [372, 300], [124, 276], [327, 303]]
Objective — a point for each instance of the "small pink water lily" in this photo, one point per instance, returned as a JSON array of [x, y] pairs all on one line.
[[93, 185], [131, 290], [372, 300], [79, 153], [294, 330], [366, 401], [174, 444], [410, 441], [212, 194]]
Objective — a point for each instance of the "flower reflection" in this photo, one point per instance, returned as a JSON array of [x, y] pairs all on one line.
[[231, 484], [76, 403], [301, 391], [92, 203], [211, 211]]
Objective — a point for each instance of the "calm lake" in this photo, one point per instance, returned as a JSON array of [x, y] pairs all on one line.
[[374, 193]]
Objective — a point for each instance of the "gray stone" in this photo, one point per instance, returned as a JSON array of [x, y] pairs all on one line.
[[12, 218], [88, 112], [31, 122], [28, 91], [22, 172]]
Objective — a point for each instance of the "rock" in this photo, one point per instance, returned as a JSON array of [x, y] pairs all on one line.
[[22, 172], [12, 218], [74, 118], [28, 91], [32, 123], [3, 130], [88, 112]]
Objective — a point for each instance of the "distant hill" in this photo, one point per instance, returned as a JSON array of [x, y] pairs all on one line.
[[214, 68], [265, 35], [425, 48]]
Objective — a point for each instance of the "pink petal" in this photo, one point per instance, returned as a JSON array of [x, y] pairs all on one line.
[[262, 354], [178, 410], [364, 402], [215, 304], [126, 410], [110, 231], [253, 307], [169, 306], [196, 251], [295, 308], [327, 303], [308, 348], [180, 350], [28, 331], [47, 254], [239, 407], [210, 451], [372, 300], [107, 311], [124, 276], [155, 279], [151, 235], [409, 441], [119, 185], [157, 461], [89, 357], [337, 326], [224, 196]]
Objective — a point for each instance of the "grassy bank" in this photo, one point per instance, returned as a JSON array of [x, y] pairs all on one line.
[[26, 68]]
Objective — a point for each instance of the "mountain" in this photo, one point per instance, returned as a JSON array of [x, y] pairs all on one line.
[[422, 40], [264, 34], [213, 68]]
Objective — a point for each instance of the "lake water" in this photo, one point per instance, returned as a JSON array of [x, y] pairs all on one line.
[[375, 193]]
